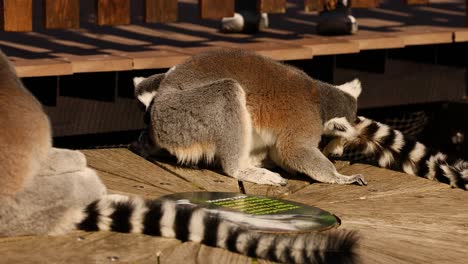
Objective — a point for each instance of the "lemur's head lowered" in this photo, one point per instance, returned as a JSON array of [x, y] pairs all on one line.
[[338, 105]]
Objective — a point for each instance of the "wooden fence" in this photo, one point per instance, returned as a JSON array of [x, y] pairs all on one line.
[[17, 15]]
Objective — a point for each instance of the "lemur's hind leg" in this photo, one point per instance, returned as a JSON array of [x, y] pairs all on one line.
[[206, 122], [307, 159]]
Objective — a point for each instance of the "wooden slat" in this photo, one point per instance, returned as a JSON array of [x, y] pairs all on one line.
[[364, 3], [216, 9], [16, 15], [113, 12], [160, 11], [62, 13], [97, 63], [272, 6], [41, 67], [157, 59], [313, 5], [274, 50], [416, 2]]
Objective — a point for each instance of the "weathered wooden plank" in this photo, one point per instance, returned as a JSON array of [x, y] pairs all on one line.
[[272, 6], [41, 67], [113, 12], [372, 41], [16, 15], [395, 212], [81, 247], [97, 63], [320, 45], [161, 11], [215, 9], [156, 59], [274, 50], [62, 13], [364, 3], [461, 35], [426, 36], [205, 179], [313, 5], [125, 164]]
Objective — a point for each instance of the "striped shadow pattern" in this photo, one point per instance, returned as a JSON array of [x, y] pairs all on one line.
[[189, 222], [389, 148]]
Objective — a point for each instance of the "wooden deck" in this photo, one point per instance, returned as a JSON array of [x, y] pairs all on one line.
[[401, 218], [291, 37]]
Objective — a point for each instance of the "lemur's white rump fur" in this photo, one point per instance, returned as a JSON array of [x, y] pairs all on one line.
[[391, 149]]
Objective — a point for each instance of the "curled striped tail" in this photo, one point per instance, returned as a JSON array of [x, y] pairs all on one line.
[[188, 222], [389, 148]]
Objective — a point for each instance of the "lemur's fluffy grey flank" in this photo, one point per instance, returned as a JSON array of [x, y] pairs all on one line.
[[391, 149], [240, 108], [44, 190]]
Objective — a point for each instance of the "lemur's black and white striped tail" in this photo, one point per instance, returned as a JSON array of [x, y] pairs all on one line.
[[391, 149], [188, 222]]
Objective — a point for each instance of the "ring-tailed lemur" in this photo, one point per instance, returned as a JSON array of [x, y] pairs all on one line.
[[52, 191], [391, 149], [238, 108]]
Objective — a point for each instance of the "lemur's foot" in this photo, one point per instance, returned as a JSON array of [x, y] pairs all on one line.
[[353, 179], [261, 176]]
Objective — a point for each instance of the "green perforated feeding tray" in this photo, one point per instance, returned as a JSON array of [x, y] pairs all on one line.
[[260, 213]]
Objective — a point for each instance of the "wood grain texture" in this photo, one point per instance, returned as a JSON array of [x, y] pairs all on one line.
[[97, 63], [62, 13], [364, 3], [41, 67], [400, 218], [161, 11], [271, 49], [216, 9], [272, 6], [313, 5], [122, 163], [16, 15], [113, 12]]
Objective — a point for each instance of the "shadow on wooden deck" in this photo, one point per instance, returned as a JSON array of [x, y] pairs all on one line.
[[291, 37]]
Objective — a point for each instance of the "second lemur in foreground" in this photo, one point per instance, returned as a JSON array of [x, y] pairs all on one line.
[[239, 108]]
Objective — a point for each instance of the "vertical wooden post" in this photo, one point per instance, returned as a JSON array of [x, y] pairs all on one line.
[[62, 13], [216, 9], [16, 15], [113, 12], [272, 6], [160, 11]]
